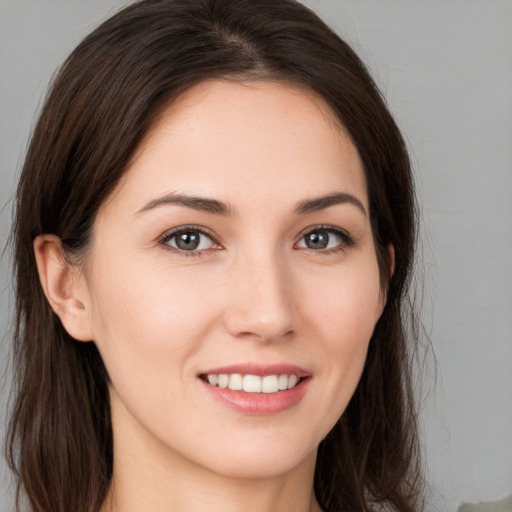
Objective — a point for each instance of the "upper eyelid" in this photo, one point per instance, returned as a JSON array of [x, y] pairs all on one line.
[[167, 235], [324, 227], [164, 239], [347, 240]]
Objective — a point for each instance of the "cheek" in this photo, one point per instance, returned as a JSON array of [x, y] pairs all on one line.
[[346, 303], [148, 320], [342, 320]]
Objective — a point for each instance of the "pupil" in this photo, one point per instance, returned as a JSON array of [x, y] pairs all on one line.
[[187, 241], [317, 240]]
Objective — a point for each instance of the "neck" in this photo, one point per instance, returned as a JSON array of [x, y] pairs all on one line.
[[209, 495]]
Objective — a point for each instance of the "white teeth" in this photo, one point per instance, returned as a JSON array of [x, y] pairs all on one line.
[[223, 381], [235, 382], [292, 381], [253, 383], [282, 382], [269, 384]]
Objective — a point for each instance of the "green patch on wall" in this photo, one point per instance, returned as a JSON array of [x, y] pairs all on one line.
[[504, 505]]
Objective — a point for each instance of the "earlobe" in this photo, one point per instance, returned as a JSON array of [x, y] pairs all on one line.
[[63, 287], [391, 261]]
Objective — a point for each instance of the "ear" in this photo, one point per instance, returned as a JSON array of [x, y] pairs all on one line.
[[64, 287], [391, 261], [391, 269]]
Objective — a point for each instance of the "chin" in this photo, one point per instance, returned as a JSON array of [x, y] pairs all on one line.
[[261, 456]]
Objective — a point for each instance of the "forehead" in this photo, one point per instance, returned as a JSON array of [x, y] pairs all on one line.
[[226, 138]]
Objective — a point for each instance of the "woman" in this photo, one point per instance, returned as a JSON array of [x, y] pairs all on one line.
[[213, 239]]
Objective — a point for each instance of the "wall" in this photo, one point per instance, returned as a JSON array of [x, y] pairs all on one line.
[[446, 70]]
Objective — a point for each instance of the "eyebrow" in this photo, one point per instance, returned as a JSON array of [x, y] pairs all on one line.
[[216, 207], [202, 204], [323, 202]]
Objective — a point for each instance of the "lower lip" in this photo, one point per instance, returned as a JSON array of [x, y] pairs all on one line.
[[261, 404]]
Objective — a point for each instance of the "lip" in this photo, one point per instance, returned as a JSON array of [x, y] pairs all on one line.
[[259, 404], [260, 370]]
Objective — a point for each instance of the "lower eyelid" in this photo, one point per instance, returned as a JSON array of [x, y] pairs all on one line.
[[170, 235], [345, 240]]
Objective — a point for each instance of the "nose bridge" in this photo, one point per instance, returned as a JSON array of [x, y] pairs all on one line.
[[261, 302]]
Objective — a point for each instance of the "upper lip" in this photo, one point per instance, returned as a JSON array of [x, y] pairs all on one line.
[[259, 369]]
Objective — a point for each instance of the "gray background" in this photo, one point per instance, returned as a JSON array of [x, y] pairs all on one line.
[[446, 70]]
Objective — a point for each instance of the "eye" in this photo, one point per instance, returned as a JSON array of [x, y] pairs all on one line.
[[189, 239], [325, 239]]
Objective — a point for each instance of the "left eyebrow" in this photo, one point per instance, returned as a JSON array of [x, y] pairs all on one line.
[[323, 202]]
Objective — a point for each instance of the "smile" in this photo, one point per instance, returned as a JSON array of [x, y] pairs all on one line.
[[255, 389], [252, 383]]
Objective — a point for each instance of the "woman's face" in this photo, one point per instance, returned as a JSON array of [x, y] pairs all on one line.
[[236, 251]]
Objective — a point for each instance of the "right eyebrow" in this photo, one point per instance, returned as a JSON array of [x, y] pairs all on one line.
[[202, 204]]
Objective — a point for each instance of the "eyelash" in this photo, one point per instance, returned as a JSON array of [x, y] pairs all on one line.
[[167, 237], [347, 241]]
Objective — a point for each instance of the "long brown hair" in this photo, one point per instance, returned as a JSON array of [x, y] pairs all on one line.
[[101, 104]]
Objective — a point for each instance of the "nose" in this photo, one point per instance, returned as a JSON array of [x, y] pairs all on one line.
[[261, 301]]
